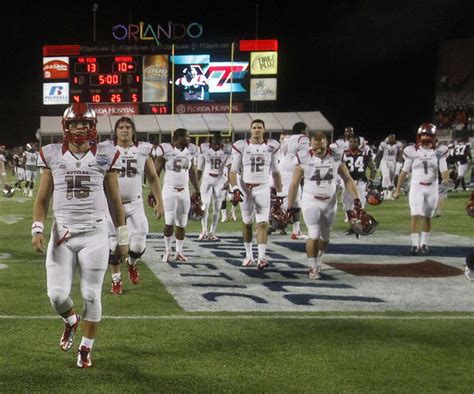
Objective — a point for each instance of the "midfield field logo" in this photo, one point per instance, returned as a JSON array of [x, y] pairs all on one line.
[[369, 274]]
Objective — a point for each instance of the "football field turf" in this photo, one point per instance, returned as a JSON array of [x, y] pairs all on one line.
[[154, 338]]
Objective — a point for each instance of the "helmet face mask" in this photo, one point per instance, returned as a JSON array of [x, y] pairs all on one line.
[[362, 223], [75, 117]]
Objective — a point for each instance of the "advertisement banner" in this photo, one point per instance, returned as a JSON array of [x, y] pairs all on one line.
[[116, 109], [55, 93], [155, 79], [188, 108], [263, 89], [55, 67], [264, 63]]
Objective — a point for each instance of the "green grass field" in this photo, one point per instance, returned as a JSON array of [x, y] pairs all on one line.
[[165, 349]]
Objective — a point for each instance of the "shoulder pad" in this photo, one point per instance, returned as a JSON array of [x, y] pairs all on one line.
[[273, 145], [409, 152], [337, 154], [145, 147], [227, 149], [239, 146], [441, 151]]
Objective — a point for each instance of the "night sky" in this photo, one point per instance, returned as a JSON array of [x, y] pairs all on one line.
[[366, 64]]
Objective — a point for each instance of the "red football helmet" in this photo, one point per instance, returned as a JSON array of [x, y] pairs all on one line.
[[374, 197], [278, 217], [470, 206], [426, 134], [75, 113], [196, 209], [362, 223]]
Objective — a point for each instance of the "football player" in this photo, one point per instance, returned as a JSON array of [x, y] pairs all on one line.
[[18, 168], [318, 202], [135, 163], [177, 161], [295, 143], [213, 158], [3, 161], [423, 160], [462, 156], [256, 159], [388, 155], [78, 176], [358, 160], [30, 158]]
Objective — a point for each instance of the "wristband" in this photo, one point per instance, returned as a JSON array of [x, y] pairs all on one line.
[[122, 235], [37, 228]]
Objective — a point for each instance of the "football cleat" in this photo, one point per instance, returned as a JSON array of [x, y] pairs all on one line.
[[116, 287], [262, 264], [223, 218], [424, 249], [212, 237], [248, 261], [414, 251], [67, 338], [298, 235], [167, 256], [314, 273], [133, 274], [180, 257], [84, 359], [203, 236]]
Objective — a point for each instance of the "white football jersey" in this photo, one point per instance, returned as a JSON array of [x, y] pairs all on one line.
[[320, 175], [178, 163], [256, 161], [343, 144], [425, 163], [212, 163], [292, 145], [390, 152], [30, 160], [79, 202], [132, 162]]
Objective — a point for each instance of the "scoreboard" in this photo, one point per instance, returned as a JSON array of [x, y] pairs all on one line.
[[199, 77], [105, 79]]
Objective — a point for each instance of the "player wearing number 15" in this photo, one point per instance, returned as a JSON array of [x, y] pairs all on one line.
[[78, 175], [255, 158], [423, 161]]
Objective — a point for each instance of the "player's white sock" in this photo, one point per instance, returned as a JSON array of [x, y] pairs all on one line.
[[71, 319], [425, 237], [415, 240], [262, 249], [168, 242], [296, 227], [248, 249], [179, 245], [116, 277], [313, 262], [87, 342]]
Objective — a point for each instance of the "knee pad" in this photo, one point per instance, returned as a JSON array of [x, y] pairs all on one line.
[[136, 246], [135, 255], [60, 300], [113, 259], [313, 232], [89, 294]]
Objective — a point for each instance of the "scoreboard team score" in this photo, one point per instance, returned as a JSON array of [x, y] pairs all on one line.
[[150, 81]]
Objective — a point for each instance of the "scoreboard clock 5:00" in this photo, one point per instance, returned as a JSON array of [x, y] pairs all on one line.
[[105, 79]]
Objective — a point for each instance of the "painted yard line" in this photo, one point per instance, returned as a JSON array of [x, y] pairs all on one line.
[[256, 317]]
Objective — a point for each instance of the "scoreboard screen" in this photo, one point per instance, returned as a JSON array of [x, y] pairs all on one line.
[[149, 81], [105, 79]]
